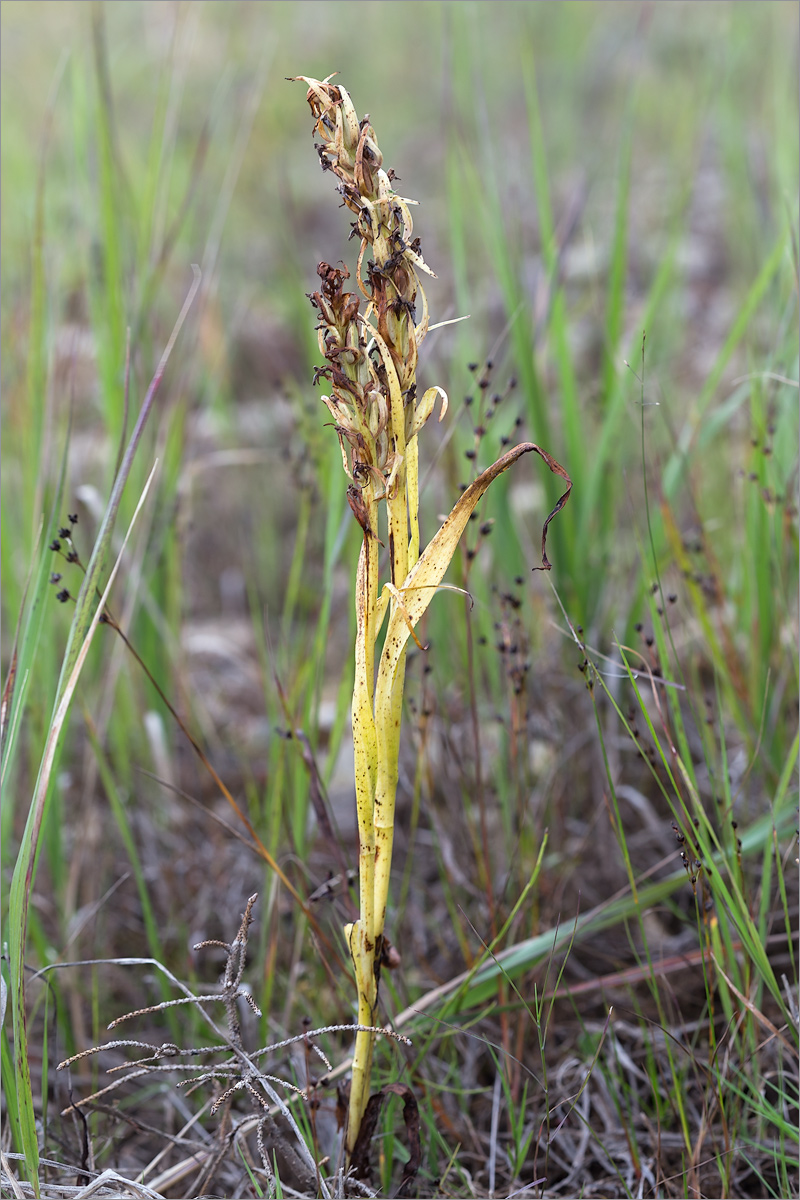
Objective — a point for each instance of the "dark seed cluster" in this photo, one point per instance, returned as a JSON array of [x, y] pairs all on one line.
[[69, 554]]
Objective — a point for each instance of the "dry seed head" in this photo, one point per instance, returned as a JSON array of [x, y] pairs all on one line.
[[369, 355]]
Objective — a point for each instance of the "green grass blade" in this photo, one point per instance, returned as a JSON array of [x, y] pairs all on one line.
[[80, 637], [108, 291], [8, 1077], [24, 654], [756, 293], [479, 984], [24, 874]]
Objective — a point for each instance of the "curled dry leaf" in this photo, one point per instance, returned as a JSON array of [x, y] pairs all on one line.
[[359, 1160], [425, 576]]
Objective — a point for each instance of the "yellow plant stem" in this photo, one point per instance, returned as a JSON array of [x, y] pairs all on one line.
[[377, 741], [361, 935], [376, 738], [412, 487], [389, 710], [388, 722], [377, 416], [363, 959]]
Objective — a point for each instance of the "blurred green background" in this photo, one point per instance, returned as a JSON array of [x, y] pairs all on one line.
[[584, 172]]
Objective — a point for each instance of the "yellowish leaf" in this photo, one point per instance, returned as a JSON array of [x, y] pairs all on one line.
[[425, 576]]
